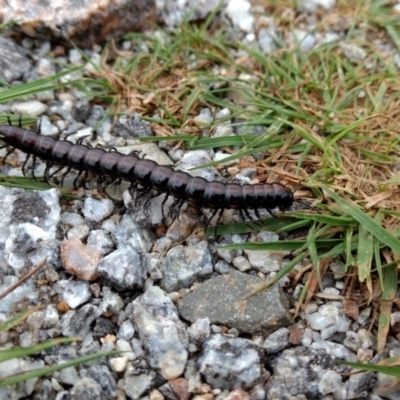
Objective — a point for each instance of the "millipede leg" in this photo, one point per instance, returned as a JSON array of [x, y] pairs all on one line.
[[219, 217], [163, 205], [243, 214], [7, 154], [33, 168], [55, 172], [24, 164], [75, 183], [84, 180], [100, 181], [253, 221], [116, 183], [63, 177]]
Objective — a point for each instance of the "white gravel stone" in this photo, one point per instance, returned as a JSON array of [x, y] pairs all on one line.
[[312, 5], [331, 382], [353, 53], [118, 364], [239, 13], [33, 108], [97, 210], [123, 345], [317, 321], [241, 263]]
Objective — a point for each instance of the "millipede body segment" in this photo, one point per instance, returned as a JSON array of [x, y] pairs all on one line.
[[147, 174]]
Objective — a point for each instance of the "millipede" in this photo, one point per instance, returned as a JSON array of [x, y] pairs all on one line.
[[145, 175]]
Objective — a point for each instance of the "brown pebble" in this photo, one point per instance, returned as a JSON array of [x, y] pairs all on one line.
[[180, 387], [237, 394], [63, 307], [80, 260], [295, 334], [95, 289], [207, 396]]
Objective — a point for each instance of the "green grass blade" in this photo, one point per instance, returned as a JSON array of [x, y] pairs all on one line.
[[367, 222], [8, 354], [44, 371]]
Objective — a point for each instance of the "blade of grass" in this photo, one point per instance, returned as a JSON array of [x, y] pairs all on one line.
[[369, 224], [44, 371]]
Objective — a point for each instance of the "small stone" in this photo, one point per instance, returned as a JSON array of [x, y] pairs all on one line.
[[126, 348], [77, 323], [156, 395], [223, 300], [88, 389], [238, 394], [239, 13], [123, 269], [277, 341], [100, 241], [354, 53], [318, 321], [97, 210], [80, 260], [205, 117], [80, 232], [50, 315], [118, 364], [126, 331], [227, 363], [136, 385], [161, 332], [103, 327], [180, 387], [199, 331], [241, 263], [266, 261], [33, 108], [330, 382], [72, 219], [111, 303], [73, 293], [183, 265]]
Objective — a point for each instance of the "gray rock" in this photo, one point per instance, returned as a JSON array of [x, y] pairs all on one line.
[[14, 60], [183, 265], [126, 331], [72, 219], [277, 341], [73, 293], [132, 126], [298, 371], [161, 332], [88, 389], [129, 232], [199, 331], [34, 108], [103, 327], [77, 323], [228, 363], [100, 241], [74, 22], [97, 210], [28, 226], [222, 300], [137, 385], [102, 375], [123, 269], [67, 376], [111, 302]]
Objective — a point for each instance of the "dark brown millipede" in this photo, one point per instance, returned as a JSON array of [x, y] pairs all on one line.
[[146, 174]]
